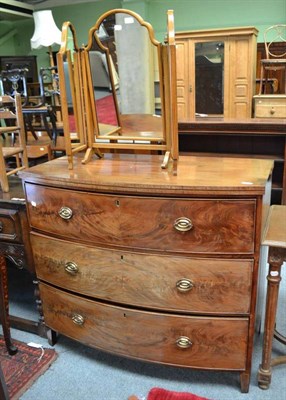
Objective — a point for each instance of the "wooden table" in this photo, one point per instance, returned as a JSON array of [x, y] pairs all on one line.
[[15, 243], [275, 238]]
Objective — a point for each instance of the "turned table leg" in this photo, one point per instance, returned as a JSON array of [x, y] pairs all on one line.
[[4, 307], [275, 259]]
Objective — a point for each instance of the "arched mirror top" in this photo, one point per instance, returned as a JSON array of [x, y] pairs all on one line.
[[68, 38], [124, 58], [98, 28]]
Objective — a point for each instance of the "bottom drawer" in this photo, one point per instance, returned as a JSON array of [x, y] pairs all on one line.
[[200, 342]]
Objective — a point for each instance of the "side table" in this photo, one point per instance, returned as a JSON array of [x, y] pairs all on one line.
[[4, 308], [274, 237], [15, 244]]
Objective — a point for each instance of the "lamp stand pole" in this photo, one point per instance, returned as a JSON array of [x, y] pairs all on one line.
[[52, 64], [55, 89]]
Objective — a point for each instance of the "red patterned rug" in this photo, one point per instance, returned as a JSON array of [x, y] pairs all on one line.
[[163, 394], [105, 110], [22, 369]]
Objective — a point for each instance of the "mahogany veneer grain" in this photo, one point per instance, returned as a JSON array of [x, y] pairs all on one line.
[[119, 275]]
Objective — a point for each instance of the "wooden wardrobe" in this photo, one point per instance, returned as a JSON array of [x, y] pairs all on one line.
[[237, 48]]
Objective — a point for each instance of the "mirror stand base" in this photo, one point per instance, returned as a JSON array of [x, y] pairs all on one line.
[[89, 153]]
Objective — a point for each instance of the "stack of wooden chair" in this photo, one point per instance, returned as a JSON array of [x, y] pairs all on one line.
[[13, 152]]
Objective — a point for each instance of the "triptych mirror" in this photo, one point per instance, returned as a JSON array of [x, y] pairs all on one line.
[[118, 92]]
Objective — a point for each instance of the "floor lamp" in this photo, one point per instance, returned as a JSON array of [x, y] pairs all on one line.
[[46, 32]]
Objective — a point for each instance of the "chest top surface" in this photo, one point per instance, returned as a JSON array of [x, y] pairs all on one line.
[[135, 174]]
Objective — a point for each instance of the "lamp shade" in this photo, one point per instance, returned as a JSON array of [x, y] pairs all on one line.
[[46, 31]]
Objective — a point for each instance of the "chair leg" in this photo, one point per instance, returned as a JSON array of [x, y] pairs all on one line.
[[3, 176], [261, 79], [266, 81], [47, 127], [29, 127], [18, 163], [4, 307]]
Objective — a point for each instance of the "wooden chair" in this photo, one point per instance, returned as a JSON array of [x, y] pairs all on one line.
[[38, 115], [273, 61], [50, 89], [11, 109]]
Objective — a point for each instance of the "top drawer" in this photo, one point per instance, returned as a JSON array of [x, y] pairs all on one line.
[[163, 224]]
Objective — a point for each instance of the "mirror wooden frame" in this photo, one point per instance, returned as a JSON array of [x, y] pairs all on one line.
[[85, 106], [74, 141]]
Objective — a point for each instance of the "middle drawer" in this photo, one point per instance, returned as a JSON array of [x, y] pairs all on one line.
[[195, 285]]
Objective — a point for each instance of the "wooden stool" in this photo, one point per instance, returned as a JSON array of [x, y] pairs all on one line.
[[4, 307], [275, 238]]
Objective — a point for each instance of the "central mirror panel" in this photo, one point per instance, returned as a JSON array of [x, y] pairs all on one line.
[[124, 71], [209, 78]]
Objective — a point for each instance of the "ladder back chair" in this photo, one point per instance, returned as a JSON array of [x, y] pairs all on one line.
[[275, 59], [11, 110], [38, 115]]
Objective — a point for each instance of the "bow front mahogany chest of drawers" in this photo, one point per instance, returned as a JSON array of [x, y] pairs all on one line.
[[141, 263]]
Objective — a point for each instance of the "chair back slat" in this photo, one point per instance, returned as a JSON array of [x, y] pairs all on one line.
[[272, 35], [11, 113]]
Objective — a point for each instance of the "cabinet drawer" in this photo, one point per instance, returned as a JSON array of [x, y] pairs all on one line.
[[218, 343], [270, 107], [213, 226], [216, 286], [10, 229]]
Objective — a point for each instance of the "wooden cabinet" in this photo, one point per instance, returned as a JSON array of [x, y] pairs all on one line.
[[14, 62], [252, 137], [216, 72], [14, 232], [138, 262], [15, 243], [270, 106]]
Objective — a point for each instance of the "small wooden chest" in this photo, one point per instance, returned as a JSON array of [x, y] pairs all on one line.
[[270, 106]]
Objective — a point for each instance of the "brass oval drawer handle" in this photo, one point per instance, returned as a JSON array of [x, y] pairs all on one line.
[[272, 111], [71, 267], [78, 319], [183, 342], [184, 285], [183, 224], [65, 213]]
